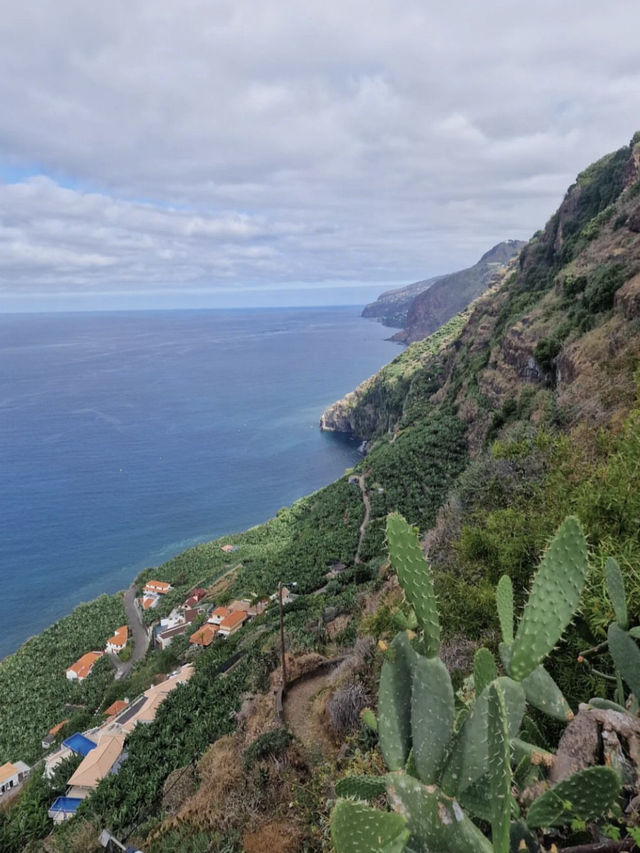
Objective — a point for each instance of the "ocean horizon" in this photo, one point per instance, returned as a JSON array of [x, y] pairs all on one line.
[[128, 436]]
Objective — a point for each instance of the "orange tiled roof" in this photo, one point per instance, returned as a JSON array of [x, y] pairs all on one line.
[[84, 665], [226, 548], [116, 707], [54, 731], [157, 586], [233, 619], [120, 637], [147, 602], [204, 636], [219, 612]]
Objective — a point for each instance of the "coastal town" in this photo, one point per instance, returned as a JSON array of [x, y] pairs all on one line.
[[101, 748]]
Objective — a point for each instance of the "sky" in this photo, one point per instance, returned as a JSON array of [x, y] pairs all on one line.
[[183, 153]]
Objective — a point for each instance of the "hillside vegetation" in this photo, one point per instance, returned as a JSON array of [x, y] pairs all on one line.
[[521, 411]]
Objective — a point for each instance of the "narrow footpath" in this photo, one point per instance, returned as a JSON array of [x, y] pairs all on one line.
[[367, 515], [304, 717]]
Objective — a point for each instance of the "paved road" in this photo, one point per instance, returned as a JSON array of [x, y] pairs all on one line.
[[138, 635]]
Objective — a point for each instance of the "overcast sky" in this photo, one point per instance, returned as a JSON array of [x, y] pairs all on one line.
[[178, 152]]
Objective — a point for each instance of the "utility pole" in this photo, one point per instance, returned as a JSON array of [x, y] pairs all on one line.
[[284, 665]]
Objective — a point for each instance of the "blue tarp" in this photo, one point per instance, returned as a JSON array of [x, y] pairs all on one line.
[[65, 804], [79, 744]]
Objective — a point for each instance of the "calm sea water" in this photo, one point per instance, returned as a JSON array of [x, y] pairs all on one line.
[[127, 437]]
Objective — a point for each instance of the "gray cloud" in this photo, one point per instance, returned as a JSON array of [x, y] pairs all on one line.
[[188, 144]]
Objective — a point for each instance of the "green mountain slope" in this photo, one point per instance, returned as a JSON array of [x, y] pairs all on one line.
[[520, 411]]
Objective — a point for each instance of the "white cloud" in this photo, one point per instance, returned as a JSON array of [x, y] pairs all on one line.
[[276, 143]]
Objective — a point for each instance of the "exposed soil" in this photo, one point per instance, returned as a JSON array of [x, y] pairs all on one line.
[[304, 712]]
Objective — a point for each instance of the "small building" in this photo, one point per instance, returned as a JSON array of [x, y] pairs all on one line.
[[144, 708], [95, 766], [204, 636], [243, 605], [12, 775], [116, 707], [148, 602], [81, 669], [216, 616], [157, 587], [258, 608], [287, 596], [232, 623], [53, 733], [195, 598], [119, 640], [229, 549], [164, 638]]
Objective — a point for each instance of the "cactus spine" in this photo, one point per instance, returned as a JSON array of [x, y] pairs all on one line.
[[357, 828], [484, 670], [554, 597], [432, 714], [586, 795], [415, 578]]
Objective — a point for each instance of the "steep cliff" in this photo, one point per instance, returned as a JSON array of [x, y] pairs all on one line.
[[452, 293], [392, 306], [543, 330]]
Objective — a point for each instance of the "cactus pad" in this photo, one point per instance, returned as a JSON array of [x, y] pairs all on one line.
[[415, 578], [432, 715], [554, 597], [394, 707], [484, 670], [435, 821], [544, 694], [504, 603], [369, 719], [499, 768], [626, 656], [361, 787], [586, 795], [616, 592], [357, 828]]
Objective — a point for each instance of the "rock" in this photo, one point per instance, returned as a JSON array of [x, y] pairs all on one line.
[[627, 298]]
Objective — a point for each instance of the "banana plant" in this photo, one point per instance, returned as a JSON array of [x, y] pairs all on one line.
[[443, 771]]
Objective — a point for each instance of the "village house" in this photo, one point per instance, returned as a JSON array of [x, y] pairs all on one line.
[[157, 588], [144, 708], [81, 669], [116, 707], [204, 635], [118, 642], [216, 616], [258, 608], [95, 766], [12, 775], [287, 596], [229, 549], [195, 598], [232, 623]]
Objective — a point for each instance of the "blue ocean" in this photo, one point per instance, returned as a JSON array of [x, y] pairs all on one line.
[[127, 437]]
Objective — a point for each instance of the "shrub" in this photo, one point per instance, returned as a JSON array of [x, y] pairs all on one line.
[[344, 708], [271, 744]]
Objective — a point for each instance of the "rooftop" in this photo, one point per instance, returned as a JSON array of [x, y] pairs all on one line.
[[98, 762], [233, 619], [83, 666], [204, 636], [54, 731], [120, 636], [116, 707], [157, 586], [7, 771]]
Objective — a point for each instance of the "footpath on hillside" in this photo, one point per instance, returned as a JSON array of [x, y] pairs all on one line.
[[304, 715]]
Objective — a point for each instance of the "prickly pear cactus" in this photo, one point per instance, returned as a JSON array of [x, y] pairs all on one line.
[[394, 703], [432, 715], [415, 578], [616, 591], [435, 821], [484, 670], [499, 768], [357, 828], [369, 719], [586, 795], [504, 603], [554, 597], [361, 787], [626, 656]]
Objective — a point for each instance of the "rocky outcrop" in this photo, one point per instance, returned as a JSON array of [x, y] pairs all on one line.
[[627, 298], [452, 293]]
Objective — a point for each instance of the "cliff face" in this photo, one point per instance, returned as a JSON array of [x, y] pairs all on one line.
[[392, 306], [545, 333], [451, 293]]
